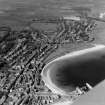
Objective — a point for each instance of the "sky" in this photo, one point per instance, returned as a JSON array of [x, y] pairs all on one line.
[[61, 6]]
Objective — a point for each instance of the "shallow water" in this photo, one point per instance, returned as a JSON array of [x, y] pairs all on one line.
[[91, 71], [76, 72]]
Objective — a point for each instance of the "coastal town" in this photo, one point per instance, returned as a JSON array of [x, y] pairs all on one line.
[[23, 54]]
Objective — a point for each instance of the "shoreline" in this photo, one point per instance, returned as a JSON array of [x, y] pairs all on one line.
[[46, 71]]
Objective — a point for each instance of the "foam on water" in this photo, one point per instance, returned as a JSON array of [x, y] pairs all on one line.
[[46, 71]]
